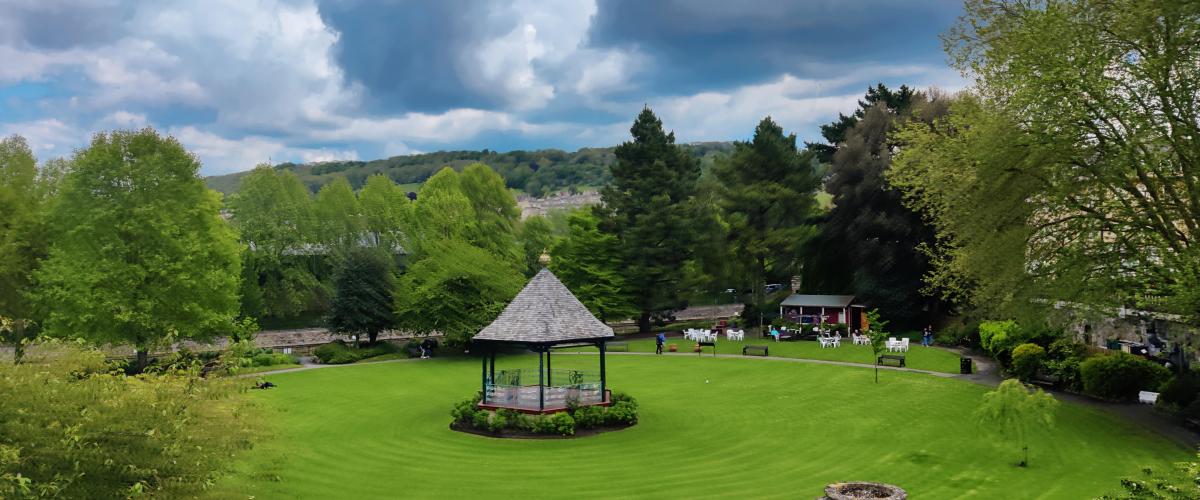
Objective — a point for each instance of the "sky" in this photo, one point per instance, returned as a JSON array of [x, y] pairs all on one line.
[[243, 82]]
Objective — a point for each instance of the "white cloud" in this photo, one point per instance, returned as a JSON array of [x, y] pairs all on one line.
[[48, 138], [220, 155]]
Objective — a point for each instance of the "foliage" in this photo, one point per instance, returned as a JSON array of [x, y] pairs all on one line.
[[338, 353], [878, 96], [1180, 482], [588, 261], [71, 429], [870, 231], [562, 423], [495, 209], [363, 289], [1014, 413], [1120, 375], [26, 192], [621, 413], [588, 417], [1027, 360], [456, 290], [140, 254], [388, 212], [1180, 391], [1075, 132], [341, 222], [999, 338], [536, 235], [274, 216], [878, 335], [765, 190], [647, 207], [464, 410]]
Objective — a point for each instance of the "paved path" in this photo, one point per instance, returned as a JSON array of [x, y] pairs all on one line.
[[986, 373]]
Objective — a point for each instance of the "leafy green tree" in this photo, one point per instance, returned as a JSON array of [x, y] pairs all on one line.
[[588, 261], [1013, 413], [878, 335], [388, 211], [496, 212], [648, 207], [69, 428], [363, 294], [24, 196], [340, 221], [767, 196], [536, 236], [273, 213], [140, 254], [455, 290], [442, 212], [1083, 123]]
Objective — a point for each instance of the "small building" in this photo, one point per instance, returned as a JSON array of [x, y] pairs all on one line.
[[543, 316], [817, 309]]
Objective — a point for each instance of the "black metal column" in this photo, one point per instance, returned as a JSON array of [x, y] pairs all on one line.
[[603, 376], [492, 368], [541, 383], [483, 376], [549, 376]]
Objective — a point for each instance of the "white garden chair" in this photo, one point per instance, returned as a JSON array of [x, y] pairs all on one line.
[[904, 344], [893, 344]]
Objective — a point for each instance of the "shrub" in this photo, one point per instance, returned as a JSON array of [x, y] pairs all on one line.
[[121, 443], [335, 353], [589, 416], [1180, 391], [1066, 371], [1120, 376], [621, 397], [541, 425], [1027, 360], [1000, 337], [562, 423], [621, 413], [959, 334], [479, 419], [464, 411]]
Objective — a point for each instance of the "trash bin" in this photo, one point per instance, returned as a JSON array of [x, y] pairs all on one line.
[[964, 365]]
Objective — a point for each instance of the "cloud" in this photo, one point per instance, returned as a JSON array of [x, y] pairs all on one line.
[[48, 138], [220, 155]]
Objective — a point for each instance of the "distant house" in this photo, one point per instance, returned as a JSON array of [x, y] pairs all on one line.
[[816, 309]]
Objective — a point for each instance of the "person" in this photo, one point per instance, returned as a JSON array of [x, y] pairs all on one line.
[[658, 342], [775, 333], [927, 336], [427, 346]]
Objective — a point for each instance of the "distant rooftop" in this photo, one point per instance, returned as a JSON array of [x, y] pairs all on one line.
[[798, 300]]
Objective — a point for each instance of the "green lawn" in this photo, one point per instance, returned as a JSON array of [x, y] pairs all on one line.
[[922, 358], [710, 428]]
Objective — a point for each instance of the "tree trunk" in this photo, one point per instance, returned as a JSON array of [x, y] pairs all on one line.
[[143, 360], [644, 323], [19, 345], [373, 335]]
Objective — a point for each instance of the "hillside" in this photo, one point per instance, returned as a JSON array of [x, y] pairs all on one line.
[[536, 173]]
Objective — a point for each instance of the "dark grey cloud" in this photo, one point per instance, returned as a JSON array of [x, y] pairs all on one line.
[[58, 25]]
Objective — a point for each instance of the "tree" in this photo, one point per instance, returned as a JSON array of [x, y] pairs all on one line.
[[588, 262], [881, 243], [536, 236], [767, 197], [273, 213], [24, 194], [1083, 122], [388, 211], [1013, 413], [340, 220], [648, 208], [835, 132], [878, 334], [442, 212], [496, 212], [139, 254], [363, 288], [455, 290]]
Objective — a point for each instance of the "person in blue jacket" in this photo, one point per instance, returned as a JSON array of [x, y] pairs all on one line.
[[659, 340]]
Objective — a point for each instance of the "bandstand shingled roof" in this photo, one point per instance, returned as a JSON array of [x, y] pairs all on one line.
[[545, 312]]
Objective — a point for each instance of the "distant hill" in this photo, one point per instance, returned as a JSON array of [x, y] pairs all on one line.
[[536, 173]]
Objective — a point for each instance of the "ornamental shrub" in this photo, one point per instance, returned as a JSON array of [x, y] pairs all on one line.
[[541, 425], [1119, 376], [336, 353], [621, 397], [464, 411], [1027, 360], [589, 416], [562, 423], [621, 413], [479, 419]]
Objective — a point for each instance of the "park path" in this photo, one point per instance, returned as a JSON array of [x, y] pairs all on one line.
[[986, 373]]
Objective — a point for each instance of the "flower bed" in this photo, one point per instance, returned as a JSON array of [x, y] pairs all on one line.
[[575, 421]]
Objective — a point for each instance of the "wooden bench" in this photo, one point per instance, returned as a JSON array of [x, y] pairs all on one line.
[[757, 350], [706, 344], [891, 357], [617, 346]]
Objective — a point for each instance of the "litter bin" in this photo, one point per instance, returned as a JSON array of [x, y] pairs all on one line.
[[964, 365]]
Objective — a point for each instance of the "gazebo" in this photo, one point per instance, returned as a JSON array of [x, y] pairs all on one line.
[[544, 315]]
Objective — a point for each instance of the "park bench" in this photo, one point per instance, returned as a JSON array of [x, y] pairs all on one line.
[[891, 357], [757, 350], [617, 346], [702, 345]]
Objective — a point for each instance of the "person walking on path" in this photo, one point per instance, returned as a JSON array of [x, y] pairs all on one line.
[[927, 336], [658, 342]]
